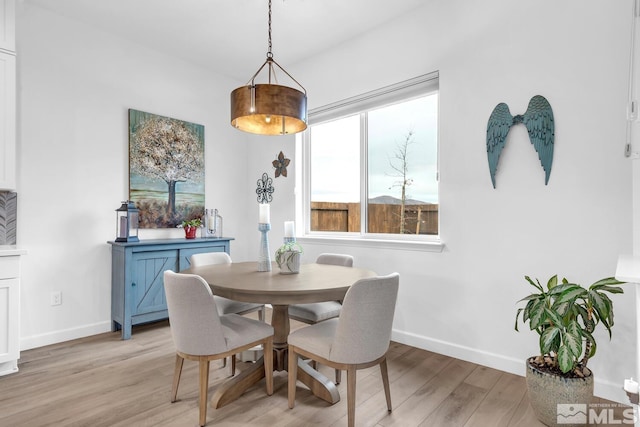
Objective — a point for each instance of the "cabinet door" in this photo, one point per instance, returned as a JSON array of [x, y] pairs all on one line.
[[7, 25], [9, 304], [147, 287], [7, 121]]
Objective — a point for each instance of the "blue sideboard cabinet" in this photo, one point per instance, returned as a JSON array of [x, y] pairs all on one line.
[[137, 286]]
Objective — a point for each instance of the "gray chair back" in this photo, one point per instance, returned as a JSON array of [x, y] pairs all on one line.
[[335, 259], [364, 326], [195, 323], [210, 258]]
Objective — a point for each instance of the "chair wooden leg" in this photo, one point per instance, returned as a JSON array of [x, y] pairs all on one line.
[[338, 376], [224, 362], [233, 365], [268, 365], [351, 396], [204, 388], [385, 382], [176, 377], [293, 375]]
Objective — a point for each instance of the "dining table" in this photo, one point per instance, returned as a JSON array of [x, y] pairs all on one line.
[[314, 283]]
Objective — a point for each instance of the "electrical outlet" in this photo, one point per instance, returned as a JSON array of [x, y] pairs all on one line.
[[56, 298]]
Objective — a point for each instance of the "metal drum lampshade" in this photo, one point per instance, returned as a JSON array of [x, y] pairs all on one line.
[[268, 109]]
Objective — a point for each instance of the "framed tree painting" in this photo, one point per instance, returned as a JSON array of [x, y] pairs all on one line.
[[166, 169]]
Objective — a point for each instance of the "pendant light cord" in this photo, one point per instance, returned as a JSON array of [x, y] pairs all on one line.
[[269, 53], [270, 63]]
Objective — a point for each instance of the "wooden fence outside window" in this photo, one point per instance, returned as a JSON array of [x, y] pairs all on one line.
[[383, 218]]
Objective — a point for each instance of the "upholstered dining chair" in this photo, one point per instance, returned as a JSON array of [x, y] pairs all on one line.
[[225, 305], [315, 312], [358, 339], [201, 334]]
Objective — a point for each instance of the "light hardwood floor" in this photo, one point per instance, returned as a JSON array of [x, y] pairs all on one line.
[[104, 381]]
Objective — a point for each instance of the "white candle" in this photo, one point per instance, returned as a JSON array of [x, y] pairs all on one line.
[[631, 386], [289, 229], [265, 215], [123, 226]]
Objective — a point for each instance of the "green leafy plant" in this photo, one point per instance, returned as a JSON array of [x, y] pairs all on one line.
[[286, 253], [196, 222], [565, 315]]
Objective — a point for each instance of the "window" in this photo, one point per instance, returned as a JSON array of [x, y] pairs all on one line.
[[371, 163]]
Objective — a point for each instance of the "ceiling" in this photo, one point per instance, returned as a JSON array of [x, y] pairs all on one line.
[[230, 36]]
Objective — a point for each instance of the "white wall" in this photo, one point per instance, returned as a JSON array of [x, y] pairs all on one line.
[[462, 302], [263, 151], [75, 85]]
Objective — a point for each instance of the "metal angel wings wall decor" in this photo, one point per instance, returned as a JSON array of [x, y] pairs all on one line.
[[539, 122]]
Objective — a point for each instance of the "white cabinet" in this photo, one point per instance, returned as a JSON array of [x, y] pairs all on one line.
[[7, 96], [7, 121], [9, 309], [7, 25]]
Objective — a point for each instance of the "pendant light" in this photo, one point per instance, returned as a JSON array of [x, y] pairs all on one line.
[[269, 109]]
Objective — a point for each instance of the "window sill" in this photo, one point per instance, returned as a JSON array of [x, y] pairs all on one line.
[[365, 242]]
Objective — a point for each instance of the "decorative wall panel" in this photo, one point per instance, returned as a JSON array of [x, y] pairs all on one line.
[[8, 215]]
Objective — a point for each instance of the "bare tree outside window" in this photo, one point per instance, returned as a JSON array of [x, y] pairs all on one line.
[[399, 163]]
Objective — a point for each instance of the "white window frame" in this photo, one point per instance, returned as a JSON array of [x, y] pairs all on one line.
[[403, 91]]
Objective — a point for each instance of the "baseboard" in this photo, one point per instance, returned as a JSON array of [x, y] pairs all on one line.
[[55, 337], [9, 367], [610, 391], [492, 360], [602, 388]]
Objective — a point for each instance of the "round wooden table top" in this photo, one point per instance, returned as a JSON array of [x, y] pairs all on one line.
[[315, 283]]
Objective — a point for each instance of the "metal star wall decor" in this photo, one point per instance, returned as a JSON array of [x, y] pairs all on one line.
[[281, 164], [265, 189], [539, 122]]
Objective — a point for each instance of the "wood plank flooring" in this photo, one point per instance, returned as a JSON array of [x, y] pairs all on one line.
[[104, 381]]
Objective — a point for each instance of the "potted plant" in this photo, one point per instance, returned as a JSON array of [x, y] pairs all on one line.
[[564, 315], [288, 257], [190, 227]]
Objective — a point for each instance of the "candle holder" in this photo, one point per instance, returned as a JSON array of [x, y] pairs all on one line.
[[212, 224], [264, 258], [127, 222], [289, 239]]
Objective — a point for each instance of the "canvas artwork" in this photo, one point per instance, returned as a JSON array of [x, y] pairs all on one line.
[[166, 169]]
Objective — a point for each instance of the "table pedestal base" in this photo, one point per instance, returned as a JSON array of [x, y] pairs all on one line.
[[319, 385], [281, 329], [235, 387]]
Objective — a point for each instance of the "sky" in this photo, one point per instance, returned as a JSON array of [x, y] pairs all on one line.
[[335, 153]]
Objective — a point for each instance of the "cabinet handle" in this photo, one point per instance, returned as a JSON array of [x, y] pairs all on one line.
[[133, 283]]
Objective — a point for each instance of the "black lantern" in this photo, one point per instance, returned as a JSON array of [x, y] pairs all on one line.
[[127, 222]]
